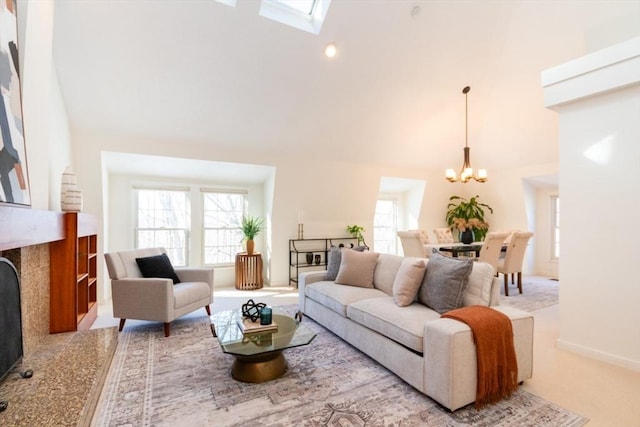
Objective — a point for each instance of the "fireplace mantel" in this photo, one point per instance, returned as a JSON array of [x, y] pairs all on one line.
[[20, 227]]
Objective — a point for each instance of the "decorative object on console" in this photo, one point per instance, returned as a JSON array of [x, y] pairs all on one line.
[[70, 195], [300, 225], [251, 227], [468, 215], [466, 172], [252, 309], [317, 259], [309, 257], [356, 232]]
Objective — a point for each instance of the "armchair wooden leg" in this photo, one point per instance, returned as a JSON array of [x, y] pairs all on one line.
[[121, 324], [206, 307], [506, 284], [167, 329], [520, 281]]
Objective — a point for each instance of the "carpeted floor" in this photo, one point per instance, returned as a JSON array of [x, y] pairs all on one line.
[[184, 380]]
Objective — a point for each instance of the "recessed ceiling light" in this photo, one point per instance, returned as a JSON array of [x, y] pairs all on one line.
[[330, 50]]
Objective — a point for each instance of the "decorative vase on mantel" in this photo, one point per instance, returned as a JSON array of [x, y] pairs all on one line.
[[466, 236], [250, 246]]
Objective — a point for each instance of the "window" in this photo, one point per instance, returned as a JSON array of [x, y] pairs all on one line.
[[222, 215], [555, 227], [305, 15], [163, 221], [301, 6], [385, 226]]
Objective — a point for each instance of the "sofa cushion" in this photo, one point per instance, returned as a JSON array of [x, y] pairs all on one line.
[[387, 267], [356, 268], [478, 289], [186, 293], [444, 282], [157, 266], [338, 297], [408, 280], [405, 325]]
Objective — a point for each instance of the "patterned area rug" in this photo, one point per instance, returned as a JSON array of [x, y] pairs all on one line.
[[184, 380], [537, 292]]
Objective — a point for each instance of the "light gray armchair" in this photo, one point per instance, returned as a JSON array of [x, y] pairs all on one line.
[[155, 299]]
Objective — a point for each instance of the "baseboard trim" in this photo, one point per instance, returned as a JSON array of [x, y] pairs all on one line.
[[591, 353]]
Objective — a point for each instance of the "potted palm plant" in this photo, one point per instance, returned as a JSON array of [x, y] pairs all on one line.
[[467, 216], [251, 227]]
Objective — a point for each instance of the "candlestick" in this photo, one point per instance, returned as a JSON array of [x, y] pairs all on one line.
[[300, 231]]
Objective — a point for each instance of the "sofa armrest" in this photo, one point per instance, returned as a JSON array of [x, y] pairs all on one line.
[[190, 274], [305, 279], [450, 357], [142, 298]]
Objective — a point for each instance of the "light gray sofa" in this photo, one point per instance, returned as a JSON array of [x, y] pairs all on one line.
[[435, 355], [155, 299]]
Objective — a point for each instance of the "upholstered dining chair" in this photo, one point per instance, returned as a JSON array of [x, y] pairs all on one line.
[[491, 248], [412, 245], [157, 299], [443, 235], [423, 236], [513, 259]]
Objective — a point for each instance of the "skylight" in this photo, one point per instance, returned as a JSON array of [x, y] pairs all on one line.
[[302, 6], [306, 15]]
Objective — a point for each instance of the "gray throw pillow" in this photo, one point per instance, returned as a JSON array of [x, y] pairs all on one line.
[[333, 263], [444, 282]]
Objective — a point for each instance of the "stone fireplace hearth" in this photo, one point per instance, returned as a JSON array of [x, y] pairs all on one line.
[[68, 368], [32, 264]]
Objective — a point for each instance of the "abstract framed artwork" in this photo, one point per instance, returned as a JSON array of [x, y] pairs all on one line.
[[14, 177]]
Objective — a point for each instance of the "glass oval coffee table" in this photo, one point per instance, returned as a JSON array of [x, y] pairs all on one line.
[[259, 356]]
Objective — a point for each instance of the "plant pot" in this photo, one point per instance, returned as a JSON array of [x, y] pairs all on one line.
[[250, 247], [466, 236]]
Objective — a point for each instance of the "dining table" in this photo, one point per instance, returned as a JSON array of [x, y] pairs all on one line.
[[457, 249]]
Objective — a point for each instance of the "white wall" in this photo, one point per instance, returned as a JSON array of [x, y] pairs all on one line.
[[598, 101], [46, 128]]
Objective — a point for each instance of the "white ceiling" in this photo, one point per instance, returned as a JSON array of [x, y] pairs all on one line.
[[204, 72]]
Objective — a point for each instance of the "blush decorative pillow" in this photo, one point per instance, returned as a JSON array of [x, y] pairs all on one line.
[[444, 282], [407, 281], [356, 268], [157, 266]]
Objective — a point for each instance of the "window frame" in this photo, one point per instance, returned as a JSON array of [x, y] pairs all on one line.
[[186, 230], [397, 204], [203, 247]]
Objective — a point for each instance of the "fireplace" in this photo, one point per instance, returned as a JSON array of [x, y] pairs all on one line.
[[11, 350]]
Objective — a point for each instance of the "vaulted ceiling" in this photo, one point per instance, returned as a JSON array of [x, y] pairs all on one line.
[[208, 73]]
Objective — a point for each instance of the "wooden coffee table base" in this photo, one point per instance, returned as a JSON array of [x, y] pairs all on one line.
[[259, 368]]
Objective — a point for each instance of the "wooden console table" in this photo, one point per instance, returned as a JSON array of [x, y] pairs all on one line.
[[248, 271]]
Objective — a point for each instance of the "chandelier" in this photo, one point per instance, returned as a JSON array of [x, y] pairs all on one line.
[[466, 172]]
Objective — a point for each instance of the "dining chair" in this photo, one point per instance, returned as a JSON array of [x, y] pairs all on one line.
[[443, 235], [412, 245], [492, 247], [512, 262], [423, 236]]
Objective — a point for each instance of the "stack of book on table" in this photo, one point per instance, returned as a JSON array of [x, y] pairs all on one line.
[[248, 326]]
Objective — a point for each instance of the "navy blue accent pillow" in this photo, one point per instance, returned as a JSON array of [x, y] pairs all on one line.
[[157, 266]]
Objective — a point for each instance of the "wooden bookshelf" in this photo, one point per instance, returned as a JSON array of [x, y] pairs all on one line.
[[74, 277]]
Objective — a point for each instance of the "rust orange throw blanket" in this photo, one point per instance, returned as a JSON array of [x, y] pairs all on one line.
[[497, 364]]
